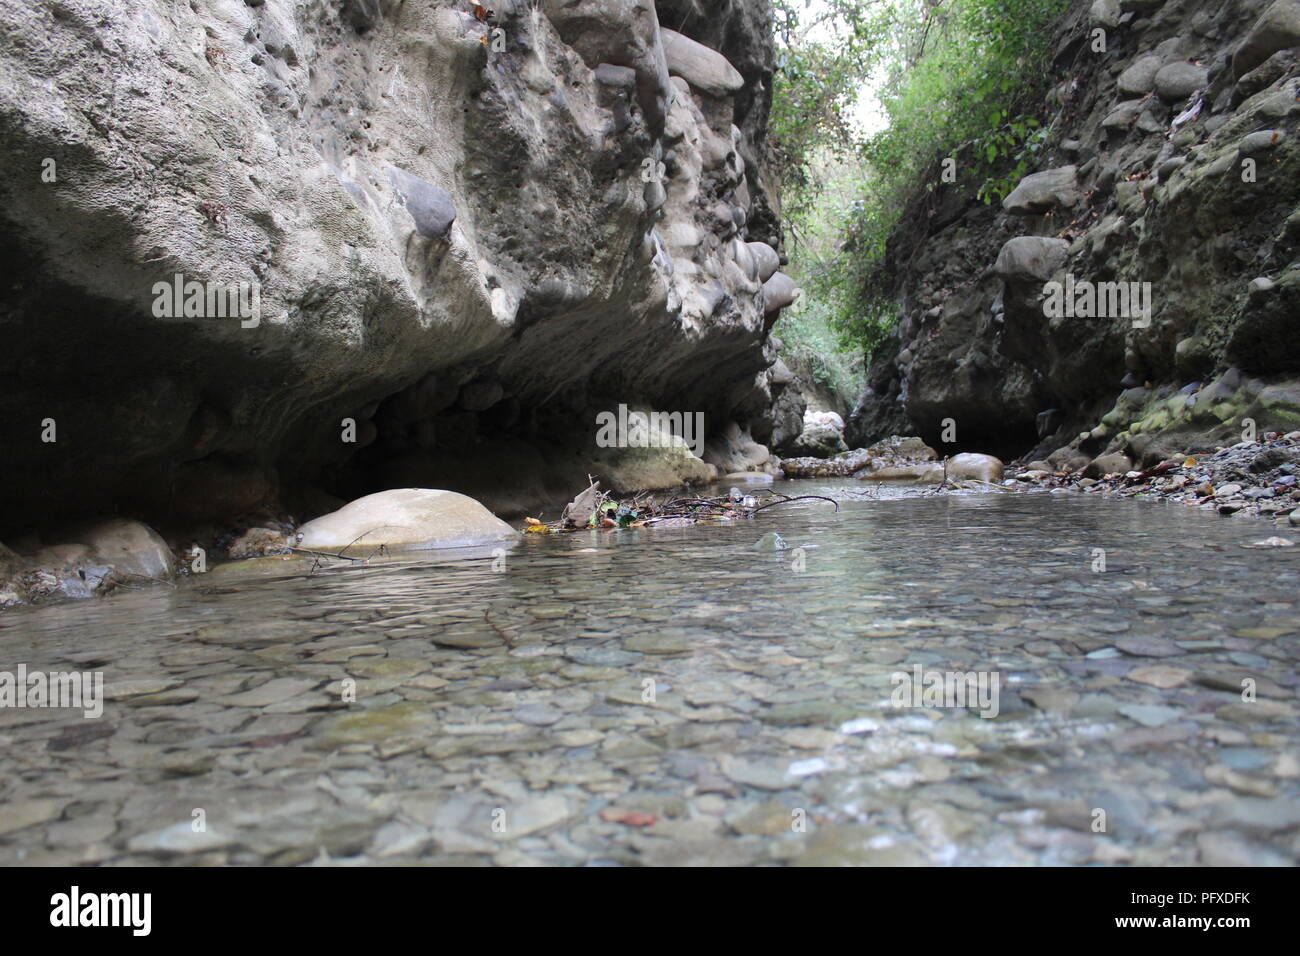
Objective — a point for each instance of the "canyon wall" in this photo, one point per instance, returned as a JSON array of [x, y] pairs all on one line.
[[447, 235], [1171, 170]]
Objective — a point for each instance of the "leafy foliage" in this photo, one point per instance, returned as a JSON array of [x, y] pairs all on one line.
[[824, 55], [955, 79], [808, 341]]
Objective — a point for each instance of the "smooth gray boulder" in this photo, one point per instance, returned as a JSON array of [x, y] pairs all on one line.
[[778, 292], [1123, 116], [1031, 258], [1112, 464], [1139, 78], [431, 207], [1260, 141], [822, 436], [406, 519], [765, 258], [706, 70], [1177, 81], [1105, 13], [130, 547], [1278, 28], [1040, 192], [973, 467]]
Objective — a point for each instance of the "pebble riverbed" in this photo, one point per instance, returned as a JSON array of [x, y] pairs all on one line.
[[679, 696]]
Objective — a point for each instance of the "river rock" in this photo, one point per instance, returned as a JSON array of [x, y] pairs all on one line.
[[179, 838], [407, 519], [1112, 464], [1177, 81], [1277, 29], [1030, 258], [975, 467], [1105, 12], [1040, 192], [656, 458], [1140, 77], [131, 548], [1251, 145], [922, 473], [822, 436]]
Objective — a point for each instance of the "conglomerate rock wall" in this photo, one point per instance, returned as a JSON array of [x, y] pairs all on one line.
[[430, 242], [1171, 170]]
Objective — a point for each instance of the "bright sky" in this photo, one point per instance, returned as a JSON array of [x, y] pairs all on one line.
[[867, 114]]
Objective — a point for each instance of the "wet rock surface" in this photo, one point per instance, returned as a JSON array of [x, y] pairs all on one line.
[[681, 696], [893, 452], [1248, 479]]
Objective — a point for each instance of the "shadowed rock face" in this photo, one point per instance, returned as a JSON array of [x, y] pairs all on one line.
[[1173, 160], [464, 239]]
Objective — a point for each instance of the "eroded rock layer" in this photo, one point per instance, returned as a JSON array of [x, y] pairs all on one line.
[[447, 237]]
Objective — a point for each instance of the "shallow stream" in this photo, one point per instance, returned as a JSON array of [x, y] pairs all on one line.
[[679, 696]]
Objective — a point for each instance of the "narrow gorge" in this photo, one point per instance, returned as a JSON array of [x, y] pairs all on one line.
[[649, 433], [468, 234]]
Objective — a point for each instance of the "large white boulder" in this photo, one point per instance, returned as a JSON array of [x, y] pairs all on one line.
[[406, 519], [970, 465]]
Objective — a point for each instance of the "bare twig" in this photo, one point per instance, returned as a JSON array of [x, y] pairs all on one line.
[[328, 554], [504, 635], [772, 504]]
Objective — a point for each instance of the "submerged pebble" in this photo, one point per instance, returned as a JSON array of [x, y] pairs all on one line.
[[681, 697]]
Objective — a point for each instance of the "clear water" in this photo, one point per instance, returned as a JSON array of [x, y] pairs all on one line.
[[680, 696]]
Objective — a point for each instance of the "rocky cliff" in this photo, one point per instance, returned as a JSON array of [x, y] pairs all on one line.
[[1136, 295], [266, 254]]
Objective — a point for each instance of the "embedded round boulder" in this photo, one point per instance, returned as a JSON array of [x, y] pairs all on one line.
[[704, 69], [129, 547], [765, 259], [1040, 192], [1030, 258], [407, 519], [1140, 78], [1277, 29], [925, 473], [974, 466], [778, 292], [1177, 81]]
